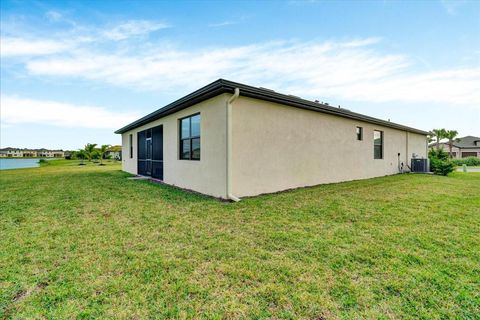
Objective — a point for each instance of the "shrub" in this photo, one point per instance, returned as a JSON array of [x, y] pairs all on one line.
[[438, 154], [441, 167], [439, 162], [470, 161], [43, 162]]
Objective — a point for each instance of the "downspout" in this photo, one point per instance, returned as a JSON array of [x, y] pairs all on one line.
[[406, 149], [229, 145], [407, 156]]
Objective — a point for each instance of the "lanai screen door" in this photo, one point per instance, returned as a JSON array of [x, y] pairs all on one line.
[[150, 152]]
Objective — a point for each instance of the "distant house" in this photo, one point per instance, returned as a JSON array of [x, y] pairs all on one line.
[[45, 153], [232, 140], [468, 146], [11, 153], [30, 153], [115, 152]]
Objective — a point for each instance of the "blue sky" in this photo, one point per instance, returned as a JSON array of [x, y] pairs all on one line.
[[73, 72]]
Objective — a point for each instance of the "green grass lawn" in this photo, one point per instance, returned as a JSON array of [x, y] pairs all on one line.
[[85, 242]]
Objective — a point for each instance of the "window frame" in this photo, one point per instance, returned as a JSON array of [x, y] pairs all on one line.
[[190, 138], [382, 140], [359, 134], [130, 138]]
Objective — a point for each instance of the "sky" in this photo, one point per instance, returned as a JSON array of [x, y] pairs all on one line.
[[72, 72]]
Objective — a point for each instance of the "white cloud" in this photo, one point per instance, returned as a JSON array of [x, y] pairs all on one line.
[[10, 46], [53, 15], [351, 70], [237, 19], [16, 45], [221, 24], [133, 28], [18, 110], [355, 69]]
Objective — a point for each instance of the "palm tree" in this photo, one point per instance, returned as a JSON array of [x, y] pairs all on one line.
[[430, 138], [103, 150], [451, 136], [90, 150], [438, 134], [81, 154]]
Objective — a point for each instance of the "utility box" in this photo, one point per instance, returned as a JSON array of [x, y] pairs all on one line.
[[420, 165]]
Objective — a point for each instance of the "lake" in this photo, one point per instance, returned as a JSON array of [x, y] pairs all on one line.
[[18, 163]]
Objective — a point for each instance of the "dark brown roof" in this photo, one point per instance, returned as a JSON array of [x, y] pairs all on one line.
[[225, 86]]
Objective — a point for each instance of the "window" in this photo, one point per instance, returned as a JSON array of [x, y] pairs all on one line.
[[468, 154], [377, 144], [131, 145], [190, 138], [359, 133]]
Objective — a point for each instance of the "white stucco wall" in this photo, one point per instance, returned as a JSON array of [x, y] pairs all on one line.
[[208, 175], [278, 147]]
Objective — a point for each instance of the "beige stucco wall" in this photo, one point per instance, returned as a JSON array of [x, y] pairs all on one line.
[[275, 147], [208, 175], [278, 147]]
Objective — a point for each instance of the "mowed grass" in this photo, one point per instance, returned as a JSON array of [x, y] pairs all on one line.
[[86, 242]]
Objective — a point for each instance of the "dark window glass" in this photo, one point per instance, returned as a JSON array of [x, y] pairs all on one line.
[[185, 131], [141, 145], [196, 149], [377, 144], [195, 126], [131, 145], [190, 138], [185, 149], [359, 133], [157, 143]]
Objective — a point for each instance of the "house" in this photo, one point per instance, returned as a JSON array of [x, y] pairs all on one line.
[[114, 152], [231, 140], [30, 153], [468, 146], [11, 153], [17, 153], [45, 153]]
